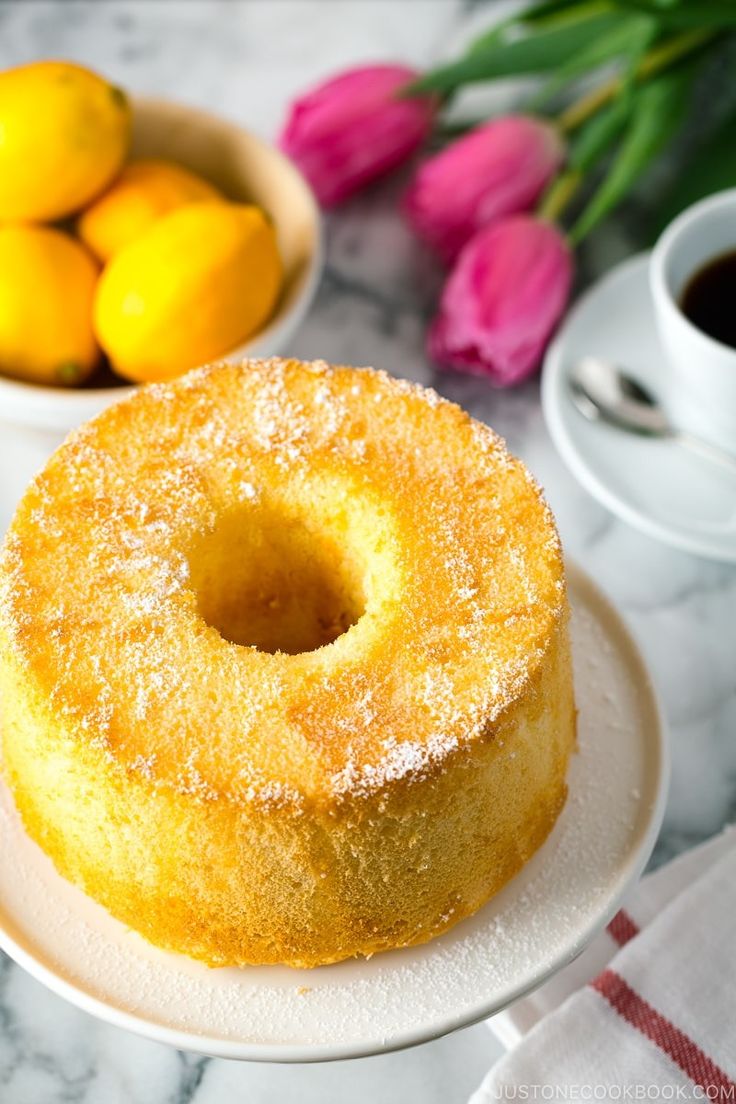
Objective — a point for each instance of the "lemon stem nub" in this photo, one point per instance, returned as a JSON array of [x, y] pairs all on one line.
[[69, 373], [118, 96]]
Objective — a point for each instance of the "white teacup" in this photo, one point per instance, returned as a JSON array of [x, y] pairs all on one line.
[[702, 397]]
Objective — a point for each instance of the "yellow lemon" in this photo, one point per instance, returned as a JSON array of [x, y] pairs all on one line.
[[47, 285], [197, 283], [144, 191], [64, 134]]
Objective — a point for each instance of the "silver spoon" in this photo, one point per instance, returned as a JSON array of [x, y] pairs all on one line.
[[603, 392]]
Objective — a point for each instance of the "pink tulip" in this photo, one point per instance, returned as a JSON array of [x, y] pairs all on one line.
[[498, 169], [502, 300], [354, 128]]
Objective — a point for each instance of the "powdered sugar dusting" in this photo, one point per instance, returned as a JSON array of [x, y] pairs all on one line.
[[476, 597]]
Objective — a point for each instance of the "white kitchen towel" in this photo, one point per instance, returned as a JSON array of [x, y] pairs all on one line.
[[648, 1011]]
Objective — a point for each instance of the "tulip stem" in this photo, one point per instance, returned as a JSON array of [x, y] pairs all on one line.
[[559, 194], [655, 60]]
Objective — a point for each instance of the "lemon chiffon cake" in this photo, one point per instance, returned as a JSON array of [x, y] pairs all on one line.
[[284, 663]]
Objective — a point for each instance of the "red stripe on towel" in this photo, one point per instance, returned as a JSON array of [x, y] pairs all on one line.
[[681, 1049], [622, 928]]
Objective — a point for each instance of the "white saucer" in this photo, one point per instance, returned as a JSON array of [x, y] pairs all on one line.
[[537, 924], [657, 486]]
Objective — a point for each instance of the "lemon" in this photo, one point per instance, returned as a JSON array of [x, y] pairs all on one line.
[[47, 284], [143, 192], [194, 285], [64, 134]]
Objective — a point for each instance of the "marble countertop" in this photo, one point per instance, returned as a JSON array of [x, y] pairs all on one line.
[[245, 59]]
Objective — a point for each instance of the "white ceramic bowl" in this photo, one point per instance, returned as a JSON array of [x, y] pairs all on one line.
[[35, 419]]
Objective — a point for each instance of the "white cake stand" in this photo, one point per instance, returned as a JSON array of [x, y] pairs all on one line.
[[538, 923]]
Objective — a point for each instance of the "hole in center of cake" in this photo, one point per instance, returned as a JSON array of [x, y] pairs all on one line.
[[272, 582]]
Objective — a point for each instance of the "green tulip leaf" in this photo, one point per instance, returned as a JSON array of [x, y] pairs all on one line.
[[597, 136], [703, 14], [629, 39], [547, 13], [648, 5], [537, 52], [657, 112], [498, 32]]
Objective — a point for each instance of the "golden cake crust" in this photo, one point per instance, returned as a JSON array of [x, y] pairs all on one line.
[[362, 789]]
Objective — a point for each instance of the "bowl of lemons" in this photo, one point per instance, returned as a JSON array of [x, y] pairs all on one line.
[[139, 238]]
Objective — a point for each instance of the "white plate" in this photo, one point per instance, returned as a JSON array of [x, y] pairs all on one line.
[[538, 923], [657, 486]]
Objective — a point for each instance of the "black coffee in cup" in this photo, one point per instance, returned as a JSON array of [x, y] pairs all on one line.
[[709, 298]]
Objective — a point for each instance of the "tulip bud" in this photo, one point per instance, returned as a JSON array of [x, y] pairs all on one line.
[[502, 300], [354, 128], [498, 169]]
